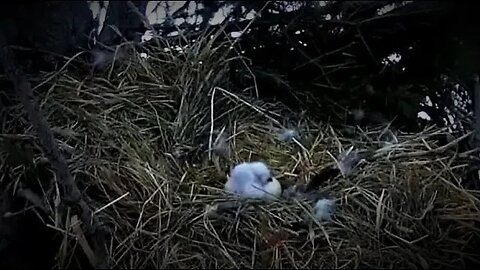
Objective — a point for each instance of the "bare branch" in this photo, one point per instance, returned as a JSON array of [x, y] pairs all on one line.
[[142, 17], [70, 192]]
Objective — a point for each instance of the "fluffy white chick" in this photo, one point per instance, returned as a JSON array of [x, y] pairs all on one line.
[[324, 209], [254, 180]]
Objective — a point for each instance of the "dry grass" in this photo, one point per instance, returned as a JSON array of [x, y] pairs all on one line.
[[137, 138]]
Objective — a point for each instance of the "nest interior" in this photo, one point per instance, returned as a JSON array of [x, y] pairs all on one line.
[[137, 136]]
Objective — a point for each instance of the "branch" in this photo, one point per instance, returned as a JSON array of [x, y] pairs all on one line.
[[69, 191], [141, 16], [181, 9]]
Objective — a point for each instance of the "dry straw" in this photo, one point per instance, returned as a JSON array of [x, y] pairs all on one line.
[[138, 139]]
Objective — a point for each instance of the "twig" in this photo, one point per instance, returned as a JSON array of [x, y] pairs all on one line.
[[83, 241], [421, 153], [366, 46], [398, 14], [56, 73], [110, 203], [180, 10], [314, 62], [318, 58], [251, 106], [33, 198], [210, 137]]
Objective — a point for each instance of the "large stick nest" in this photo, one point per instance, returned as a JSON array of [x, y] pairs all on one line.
[[137, 137]]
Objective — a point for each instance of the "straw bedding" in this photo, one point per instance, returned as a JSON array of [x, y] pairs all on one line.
[[137, 140]]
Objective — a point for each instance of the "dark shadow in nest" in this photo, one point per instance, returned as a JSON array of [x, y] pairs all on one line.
[[25, 240]]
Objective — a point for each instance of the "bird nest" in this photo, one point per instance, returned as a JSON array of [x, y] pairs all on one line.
[[140, 137]]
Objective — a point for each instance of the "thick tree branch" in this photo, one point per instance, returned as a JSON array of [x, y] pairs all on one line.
[[141, 16], [70, 193]]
